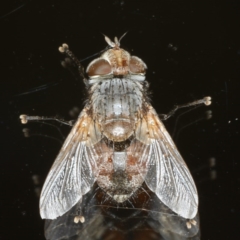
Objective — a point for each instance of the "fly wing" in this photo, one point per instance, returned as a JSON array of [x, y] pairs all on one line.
[[73, 172], [168, 175]]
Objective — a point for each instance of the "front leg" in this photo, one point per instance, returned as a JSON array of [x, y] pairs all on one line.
[[65, 49]]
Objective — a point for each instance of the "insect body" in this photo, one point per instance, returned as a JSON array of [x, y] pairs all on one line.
[[119, 142]]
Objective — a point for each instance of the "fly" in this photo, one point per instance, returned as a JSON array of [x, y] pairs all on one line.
[[117, 141]]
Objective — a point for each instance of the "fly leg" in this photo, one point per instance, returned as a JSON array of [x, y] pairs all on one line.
[[25, 118], [190, 223], [205, 100], [65, 49], [79, 216]]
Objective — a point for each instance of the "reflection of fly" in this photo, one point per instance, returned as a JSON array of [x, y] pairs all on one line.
[[119, 142]]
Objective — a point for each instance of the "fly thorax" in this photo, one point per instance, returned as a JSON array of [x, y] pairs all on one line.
[[118, 130], [116, 106]]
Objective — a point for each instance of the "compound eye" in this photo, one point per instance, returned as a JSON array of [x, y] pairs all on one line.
[[99, 67], [136, 65]]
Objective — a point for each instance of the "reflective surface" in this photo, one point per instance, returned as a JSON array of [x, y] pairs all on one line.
[[142, 217], [192, 50]]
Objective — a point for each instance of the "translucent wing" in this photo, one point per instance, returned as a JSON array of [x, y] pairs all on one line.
[[73, 172], [168, 175]]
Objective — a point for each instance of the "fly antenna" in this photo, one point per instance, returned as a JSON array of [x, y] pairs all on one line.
[[122, 37], [109, 42], [116, 41]]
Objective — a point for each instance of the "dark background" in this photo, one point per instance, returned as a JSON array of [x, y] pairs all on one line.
[[192, 50]]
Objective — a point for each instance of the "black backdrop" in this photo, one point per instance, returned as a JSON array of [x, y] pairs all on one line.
[[192, 50]]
